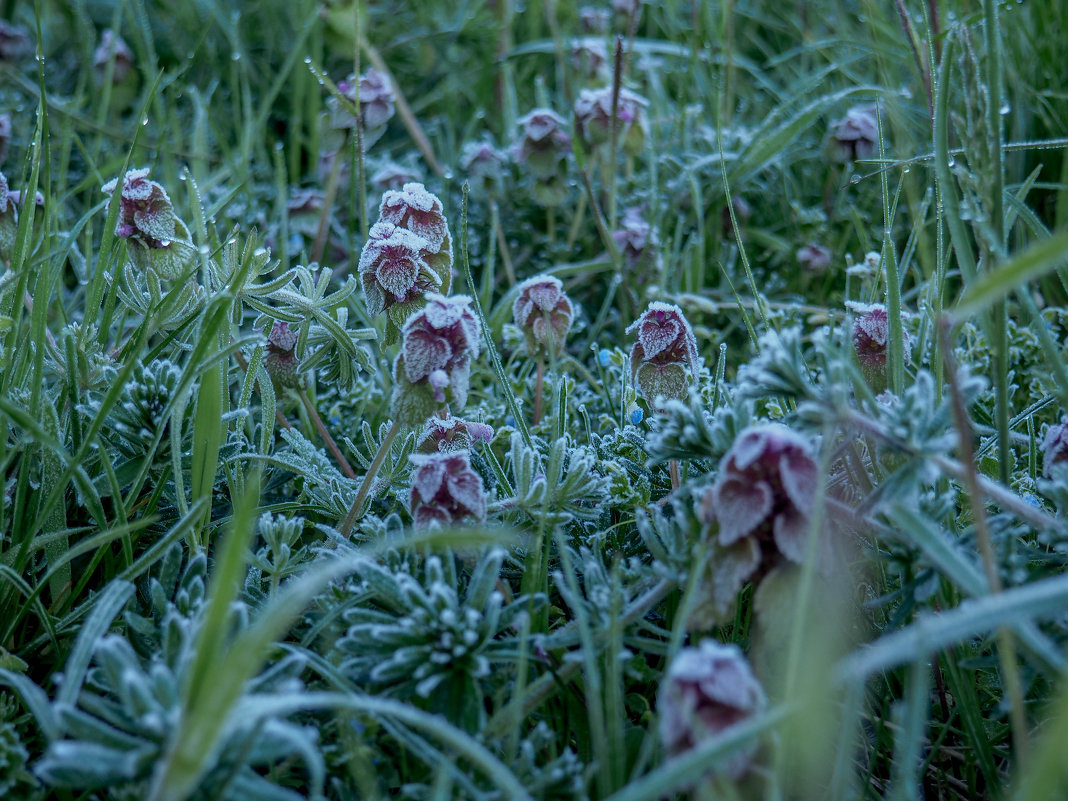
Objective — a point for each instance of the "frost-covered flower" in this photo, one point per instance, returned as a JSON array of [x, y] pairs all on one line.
[[450, 434], [434, 365], [638, 242], [814, 257], [765, 491], [543, 312], [664, 360], [145, 210], [445, 489], [421, 212], [482, 162], [543, 142], [871, 338], [1055, 447], [593, 115], [855, 136], [112, 46], [593, 19], [393, 268], [706, 691], [281, 363], [590, 58], [376, 101]]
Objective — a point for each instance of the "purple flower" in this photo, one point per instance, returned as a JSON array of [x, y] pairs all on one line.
[[445, 490], [8, 220], [638, 241], [145, 212], [112, 46], [814, 258], [706, 691], [590, 58], [855, 136], [765, 491], [393, 267], [421, 212], [871, 336], [593, 116], [281, 363], [594, 20], [543, 312], [434, 365], [1055, 447], [376, 101], [481, 161], [664, 360], [450, 434], [543, 143]]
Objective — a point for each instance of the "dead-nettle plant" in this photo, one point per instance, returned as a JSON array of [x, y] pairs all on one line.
[[431, 374], [543, 313]]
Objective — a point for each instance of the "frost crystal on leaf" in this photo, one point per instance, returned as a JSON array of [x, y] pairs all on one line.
[[421, 212], [445, 489], [543, 312], [706, 691]]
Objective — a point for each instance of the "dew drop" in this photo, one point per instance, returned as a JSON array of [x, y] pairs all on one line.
[[144, 121], [307, 60], [854, 179], [1004, 108], [952, 162], [235, 56]]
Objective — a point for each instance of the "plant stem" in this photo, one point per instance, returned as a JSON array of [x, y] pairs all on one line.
[[368, 480], [676, 480], [329, 196], [538, 385], [317, 421]]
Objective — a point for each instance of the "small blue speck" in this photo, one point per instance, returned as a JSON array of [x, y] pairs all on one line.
[[635, 414], [605, 356], [509, 421]]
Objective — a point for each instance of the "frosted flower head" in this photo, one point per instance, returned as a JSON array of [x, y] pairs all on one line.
[[434, 365], [145, 212], [543, 142], [765, 490], [706, 691], [855, 136], [445, 490], [593, 116], [638, 242], [590, 58], [594, 20], [482, 162], [450, 434], [543, 312], [420, 211], [814, 258], [376, 101], [281, 362], [393, 267], [1055, 447], [15, 42], [664, 360], [871, 338], [112, 46]]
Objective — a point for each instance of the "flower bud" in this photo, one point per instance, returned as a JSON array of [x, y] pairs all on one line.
[[450, 434], [393, 176], [590, 58], [593, 115], [664, 360], [445, 490], [766, 490], [543, 312], [482, 162], [112, 46], [855, 136], [434, 365], [281, 362], [706, 691]]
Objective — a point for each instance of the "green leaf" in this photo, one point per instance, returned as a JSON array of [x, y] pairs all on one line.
[[1034, 262]]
